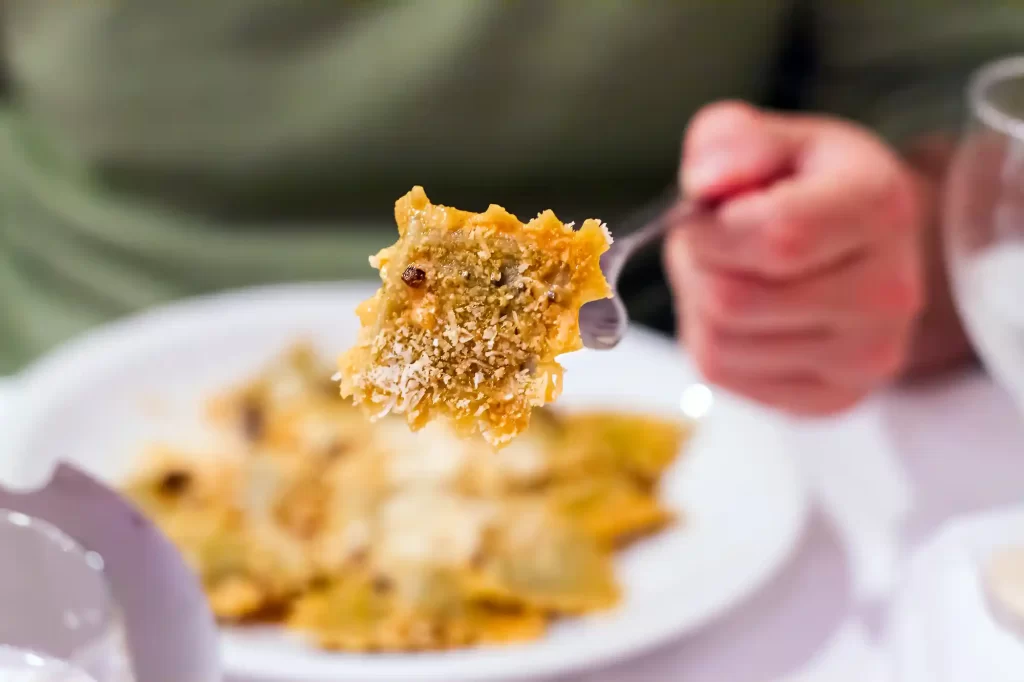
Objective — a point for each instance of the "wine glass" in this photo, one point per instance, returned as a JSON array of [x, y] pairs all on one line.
[[58, 621], [984, 239], [984, 221]]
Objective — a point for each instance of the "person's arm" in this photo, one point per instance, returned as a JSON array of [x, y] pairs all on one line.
[[901, 68]]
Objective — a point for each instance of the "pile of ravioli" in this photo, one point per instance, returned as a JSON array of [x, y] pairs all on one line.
[[371, 537]]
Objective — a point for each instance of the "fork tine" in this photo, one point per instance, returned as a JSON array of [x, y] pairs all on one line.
[[603, 323]]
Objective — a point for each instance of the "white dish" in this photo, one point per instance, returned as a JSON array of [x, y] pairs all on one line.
[[96, 401], [944, 626]]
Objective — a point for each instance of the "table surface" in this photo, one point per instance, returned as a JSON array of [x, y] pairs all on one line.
[[918, 456]]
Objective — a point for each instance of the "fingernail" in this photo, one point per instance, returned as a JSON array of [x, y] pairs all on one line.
[[747, 213], [707, 172]]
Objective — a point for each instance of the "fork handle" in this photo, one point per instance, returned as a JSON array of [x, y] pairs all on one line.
[[654, 220]]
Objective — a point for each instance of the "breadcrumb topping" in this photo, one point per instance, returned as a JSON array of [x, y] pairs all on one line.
[[472, 312]]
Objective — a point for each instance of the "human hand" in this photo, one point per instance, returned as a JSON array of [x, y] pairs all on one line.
[[802, 288]]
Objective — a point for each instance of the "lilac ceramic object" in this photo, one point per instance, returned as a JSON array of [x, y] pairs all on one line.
[[172, 636], [59, 621]]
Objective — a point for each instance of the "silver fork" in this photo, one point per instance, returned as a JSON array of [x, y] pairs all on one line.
[[603, 323]]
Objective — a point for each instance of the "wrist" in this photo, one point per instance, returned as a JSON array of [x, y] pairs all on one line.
[[939, 340]]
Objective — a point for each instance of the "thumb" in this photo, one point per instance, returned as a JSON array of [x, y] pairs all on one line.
[[732, 147]]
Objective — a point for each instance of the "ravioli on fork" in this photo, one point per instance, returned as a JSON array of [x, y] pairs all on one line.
[[472, 312]]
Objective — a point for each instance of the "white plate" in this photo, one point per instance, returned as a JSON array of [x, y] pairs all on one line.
[[941, 626], [96, 401]]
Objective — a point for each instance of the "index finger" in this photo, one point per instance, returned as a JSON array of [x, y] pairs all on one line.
[[800, 225]]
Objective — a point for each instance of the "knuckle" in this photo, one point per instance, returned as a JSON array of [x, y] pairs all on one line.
[[894, 361], [901, 295], [676, 262], [789, 246], [882, 359], [901, 205], [828, 401], [717, 120], [715, 375], [705, 352], [913, 294], [725, 298], [836, 403]]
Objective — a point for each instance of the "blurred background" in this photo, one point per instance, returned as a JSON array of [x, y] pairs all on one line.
[[151, 152]]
